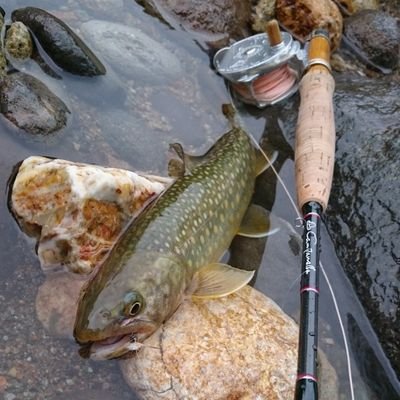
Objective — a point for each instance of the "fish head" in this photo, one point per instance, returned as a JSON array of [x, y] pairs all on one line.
[[119, 308]]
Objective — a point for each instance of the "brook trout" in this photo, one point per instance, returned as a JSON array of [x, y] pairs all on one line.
[[171, 250]]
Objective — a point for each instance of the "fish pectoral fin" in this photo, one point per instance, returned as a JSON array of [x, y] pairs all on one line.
[[218, 280], [262, 163], [256, 223]]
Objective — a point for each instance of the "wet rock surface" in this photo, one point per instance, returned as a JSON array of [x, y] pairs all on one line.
[[376, 37], [128, 48], [30, 105], [352, 6], [363, 213], [225, 17], [363, 217], [18, 41], [65, 48]]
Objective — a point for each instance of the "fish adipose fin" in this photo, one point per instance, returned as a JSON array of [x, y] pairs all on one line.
[[256, 223], [218, 280], [177, 167]]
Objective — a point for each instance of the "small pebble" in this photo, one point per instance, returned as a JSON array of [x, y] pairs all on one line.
[[3, 383], [13, 372], [69, 382], [10, 396]]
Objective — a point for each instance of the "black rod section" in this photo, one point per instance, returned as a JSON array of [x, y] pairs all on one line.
[[307, 383]]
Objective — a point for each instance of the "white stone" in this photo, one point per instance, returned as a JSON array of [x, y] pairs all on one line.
[[78, 209]]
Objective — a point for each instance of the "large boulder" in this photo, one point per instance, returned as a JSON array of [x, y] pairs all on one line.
[[199, 350]]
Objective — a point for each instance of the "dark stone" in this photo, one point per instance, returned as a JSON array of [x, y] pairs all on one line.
[[363, 217], [227, 17], [29, 104], [376, 36], [64, 47]]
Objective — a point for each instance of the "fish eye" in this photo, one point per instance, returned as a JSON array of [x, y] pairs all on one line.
[[133, 304], [134, 309]]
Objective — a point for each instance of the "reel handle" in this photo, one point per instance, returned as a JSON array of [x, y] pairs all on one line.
[[315, 130]]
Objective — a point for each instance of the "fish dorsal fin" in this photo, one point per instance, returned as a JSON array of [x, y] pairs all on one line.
[[262, 164], [256, 222], [182, 165], [218, 280]]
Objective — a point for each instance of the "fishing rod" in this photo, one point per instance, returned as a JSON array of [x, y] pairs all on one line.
[[263, 70], [314, 162]]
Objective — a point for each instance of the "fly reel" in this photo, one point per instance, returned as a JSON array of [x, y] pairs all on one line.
[[262, 69]]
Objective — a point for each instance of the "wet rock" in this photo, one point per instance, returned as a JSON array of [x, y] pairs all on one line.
[[18, 41], [303, 16], [262, 12], [222, 17], [352, 6], [245, 335], [64, 47], [132, 52], [77, 210], [375, 37], [364, 213], [29, 104]]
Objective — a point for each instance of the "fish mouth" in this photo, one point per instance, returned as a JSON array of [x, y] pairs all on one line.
[[120, 344], [113, 347]]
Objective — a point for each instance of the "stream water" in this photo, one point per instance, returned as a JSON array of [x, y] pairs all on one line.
[[125, 120]]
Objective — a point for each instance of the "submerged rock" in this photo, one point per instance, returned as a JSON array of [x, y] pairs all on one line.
[[207, 342], [303, 16], [78, 210], [131, 52], [64, 46], [374, 36], [30, 105], [18, 41]]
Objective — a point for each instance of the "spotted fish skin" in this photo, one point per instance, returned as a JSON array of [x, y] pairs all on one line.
[[189, 226], [198, 216]]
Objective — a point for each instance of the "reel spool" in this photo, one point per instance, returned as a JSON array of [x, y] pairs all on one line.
[[262, 69]]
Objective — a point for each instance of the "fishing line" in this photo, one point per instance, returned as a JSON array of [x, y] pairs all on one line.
[[346, 346], [269, 87]]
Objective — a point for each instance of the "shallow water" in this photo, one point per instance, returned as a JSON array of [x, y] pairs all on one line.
[[122, 122]]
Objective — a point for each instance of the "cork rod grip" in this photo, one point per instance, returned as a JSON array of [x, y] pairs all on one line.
[[315, 138]]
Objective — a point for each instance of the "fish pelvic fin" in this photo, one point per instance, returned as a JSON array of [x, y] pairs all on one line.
[[219, 280], [256, 223]]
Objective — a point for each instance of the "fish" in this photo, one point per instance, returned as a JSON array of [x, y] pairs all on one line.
[[170, 252]]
